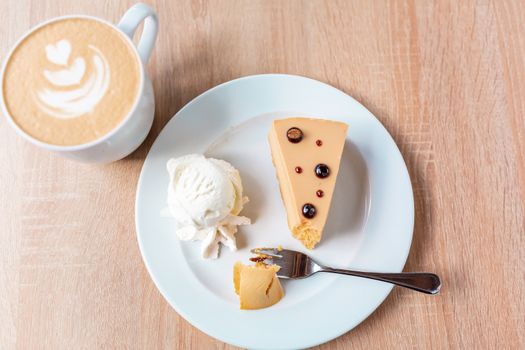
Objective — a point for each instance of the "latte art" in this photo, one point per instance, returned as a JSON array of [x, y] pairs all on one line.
[[71, 81], [74, 101]]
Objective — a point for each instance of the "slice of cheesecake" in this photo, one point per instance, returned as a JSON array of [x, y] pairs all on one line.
[[257, 286], [306, 154]]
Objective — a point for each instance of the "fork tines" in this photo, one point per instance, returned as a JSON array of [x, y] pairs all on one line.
[[272, 252]]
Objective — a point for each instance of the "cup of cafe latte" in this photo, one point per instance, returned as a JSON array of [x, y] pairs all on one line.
[[77, 85]]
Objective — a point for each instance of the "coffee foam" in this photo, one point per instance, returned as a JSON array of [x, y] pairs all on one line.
[[80, 79], [74, 102]]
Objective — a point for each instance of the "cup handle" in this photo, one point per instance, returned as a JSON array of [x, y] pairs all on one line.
[[130, 22]]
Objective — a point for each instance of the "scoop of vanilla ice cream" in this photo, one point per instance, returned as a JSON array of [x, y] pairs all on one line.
[[205, 198]]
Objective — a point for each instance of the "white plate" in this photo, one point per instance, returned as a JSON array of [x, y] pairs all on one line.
[[370, 225]]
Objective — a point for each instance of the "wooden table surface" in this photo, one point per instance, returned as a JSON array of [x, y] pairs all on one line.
[[446, 78]]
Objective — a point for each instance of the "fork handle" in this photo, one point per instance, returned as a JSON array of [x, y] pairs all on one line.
[[420, 281]]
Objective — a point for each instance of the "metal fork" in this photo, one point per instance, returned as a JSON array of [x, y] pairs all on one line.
[[294, 265]]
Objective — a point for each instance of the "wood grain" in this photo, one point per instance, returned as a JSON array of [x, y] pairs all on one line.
[[446, 78]]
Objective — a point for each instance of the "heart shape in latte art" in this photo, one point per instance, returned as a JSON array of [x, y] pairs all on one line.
[[59, 52]]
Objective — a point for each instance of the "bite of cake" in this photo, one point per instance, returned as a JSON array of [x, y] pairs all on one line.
[[257, 285]]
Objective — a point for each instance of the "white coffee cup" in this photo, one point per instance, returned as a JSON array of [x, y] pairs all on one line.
[[131, 132]]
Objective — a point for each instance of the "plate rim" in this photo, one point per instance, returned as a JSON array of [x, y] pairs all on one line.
[[322, 339]]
